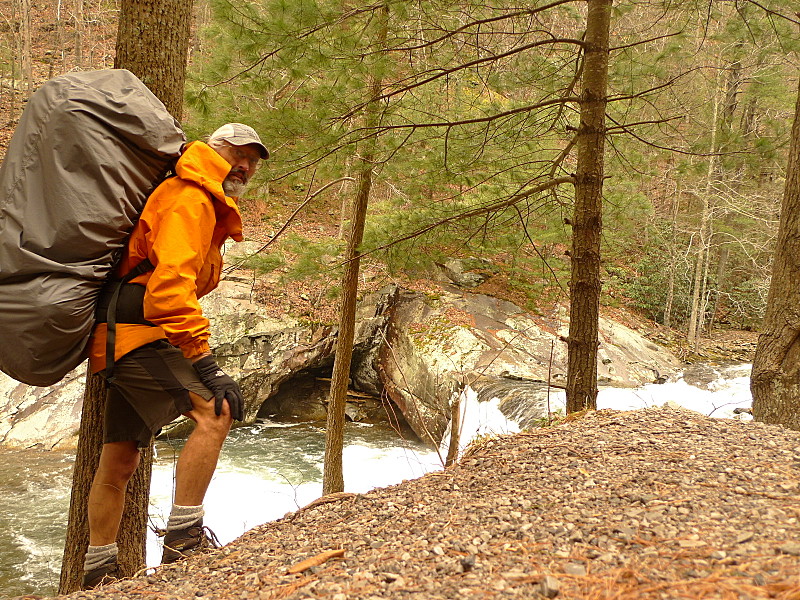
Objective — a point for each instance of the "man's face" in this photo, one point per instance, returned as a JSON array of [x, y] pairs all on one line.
[[244, 162]]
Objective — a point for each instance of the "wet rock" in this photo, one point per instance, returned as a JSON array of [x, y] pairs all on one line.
[[436, 346]]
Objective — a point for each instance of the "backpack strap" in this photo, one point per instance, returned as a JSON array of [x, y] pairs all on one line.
[[111, 316]]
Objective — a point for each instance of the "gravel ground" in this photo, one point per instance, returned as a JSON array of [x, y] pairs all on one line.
[[656, 503]]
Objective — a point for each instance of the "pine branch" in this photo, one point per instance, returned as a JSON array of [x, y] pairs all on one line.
[[461, 67], [486, 119], [481, 22], [775, 13], [483, 210], [286, 224]]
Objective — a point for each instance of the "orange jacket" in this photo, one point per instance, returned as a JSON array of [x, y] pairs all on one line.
[[182, 229]]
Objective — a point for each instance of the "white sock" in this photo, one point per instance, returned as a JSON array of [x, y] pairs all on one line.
[[182, 517], [97, 556]]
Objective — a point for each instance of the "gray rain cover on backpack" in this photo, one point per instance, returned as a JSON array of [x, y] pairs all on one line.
[[85, 156]]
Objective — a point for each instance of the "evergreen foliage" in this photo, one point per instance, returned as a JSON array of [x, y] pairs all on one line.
[[479, 105]]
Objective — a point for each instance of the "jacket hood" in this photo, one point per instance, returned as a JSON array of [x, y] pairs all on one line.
[[203, 165]]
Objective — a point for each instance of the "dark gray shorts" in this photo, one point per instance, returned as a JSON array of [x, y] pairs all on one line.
[[150, 389]]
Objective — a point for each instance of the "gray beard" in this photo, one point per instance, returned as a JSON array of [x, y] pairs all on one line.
[[233, 188]]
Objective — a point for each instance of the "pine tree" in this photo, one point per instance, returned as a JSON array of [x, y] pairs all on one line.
[[775, 380], [587, 224]]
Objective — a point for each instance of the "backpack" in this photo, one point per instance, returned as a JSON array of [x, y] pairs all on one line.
[[87, 152]]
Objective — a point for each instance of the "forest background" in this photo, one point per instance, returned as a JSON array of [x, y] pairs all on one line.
[[477, 118]]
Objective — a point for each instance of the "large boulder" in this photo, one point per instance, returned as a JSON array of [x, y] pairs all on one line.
[[436, 344], [41, 417]]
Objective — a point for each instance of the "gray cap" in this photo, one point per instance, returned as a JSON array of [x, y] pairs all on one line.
[[239, 134]]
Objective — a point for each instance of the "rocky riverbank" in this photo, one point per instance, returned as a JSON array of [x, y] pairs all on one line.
[[414, 351], [653, 504]]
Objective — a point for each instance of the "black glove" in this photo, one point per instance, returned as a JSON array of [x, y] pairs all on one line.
[[222, 385]]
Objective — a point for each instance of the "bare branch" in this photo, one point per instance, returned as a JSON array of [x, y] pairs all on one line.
[[461, 67], [775, 13], [623, 127], [539, 254], [285, 226], [480, 22], [642, 42], [486, 119]]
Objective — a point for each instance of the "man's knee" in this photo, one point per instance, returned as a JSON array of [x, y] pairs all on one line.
[[118, 461], [128, 465], [204, 414], [217, 426]]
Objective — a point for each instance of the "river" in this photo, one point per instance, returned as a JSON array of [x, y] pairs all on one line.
[[269, 469]]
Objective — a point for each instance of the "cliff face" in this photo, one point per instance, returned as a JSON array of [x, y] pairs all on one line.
[[415, 350], [41, 417]]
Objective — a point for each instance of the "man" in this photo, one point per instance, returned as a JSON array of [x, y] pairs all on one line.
[[163, 364]]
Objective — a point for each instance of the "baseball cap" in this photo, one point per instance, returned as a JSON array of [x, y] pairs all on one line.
[[239, 134]]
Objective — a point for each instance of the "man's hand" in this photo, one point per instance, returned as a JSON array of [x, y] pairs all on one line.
[[222, 385]]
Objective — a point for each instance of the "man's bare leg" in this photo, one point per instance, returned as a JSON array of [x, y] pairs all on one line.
[[118, 462], [198, 459], [194, 471]]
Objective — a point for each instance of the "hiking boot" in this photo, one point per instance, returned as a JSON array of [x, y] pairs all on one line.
[[102, 575], [181, 543]]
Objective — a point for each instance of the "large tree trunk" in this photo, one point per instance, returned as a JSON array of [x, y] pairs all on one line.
[[587, 223], [333, 472], [152, 42], [775, 380], [134, 522]]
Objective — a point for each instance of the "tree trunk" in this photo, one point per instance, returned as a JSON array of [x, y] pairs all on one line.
[[17, 50], [695, 318], [722, 266], [588, 222], [60, 51], [455, 432], [344, 190], [704, 290], [26, 59], [333, 472], [704, 235], [775, 379], [90, 442], [79, 24], [134, 523], [152, 43], [160, 42], [673, 257], [202, 15]]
